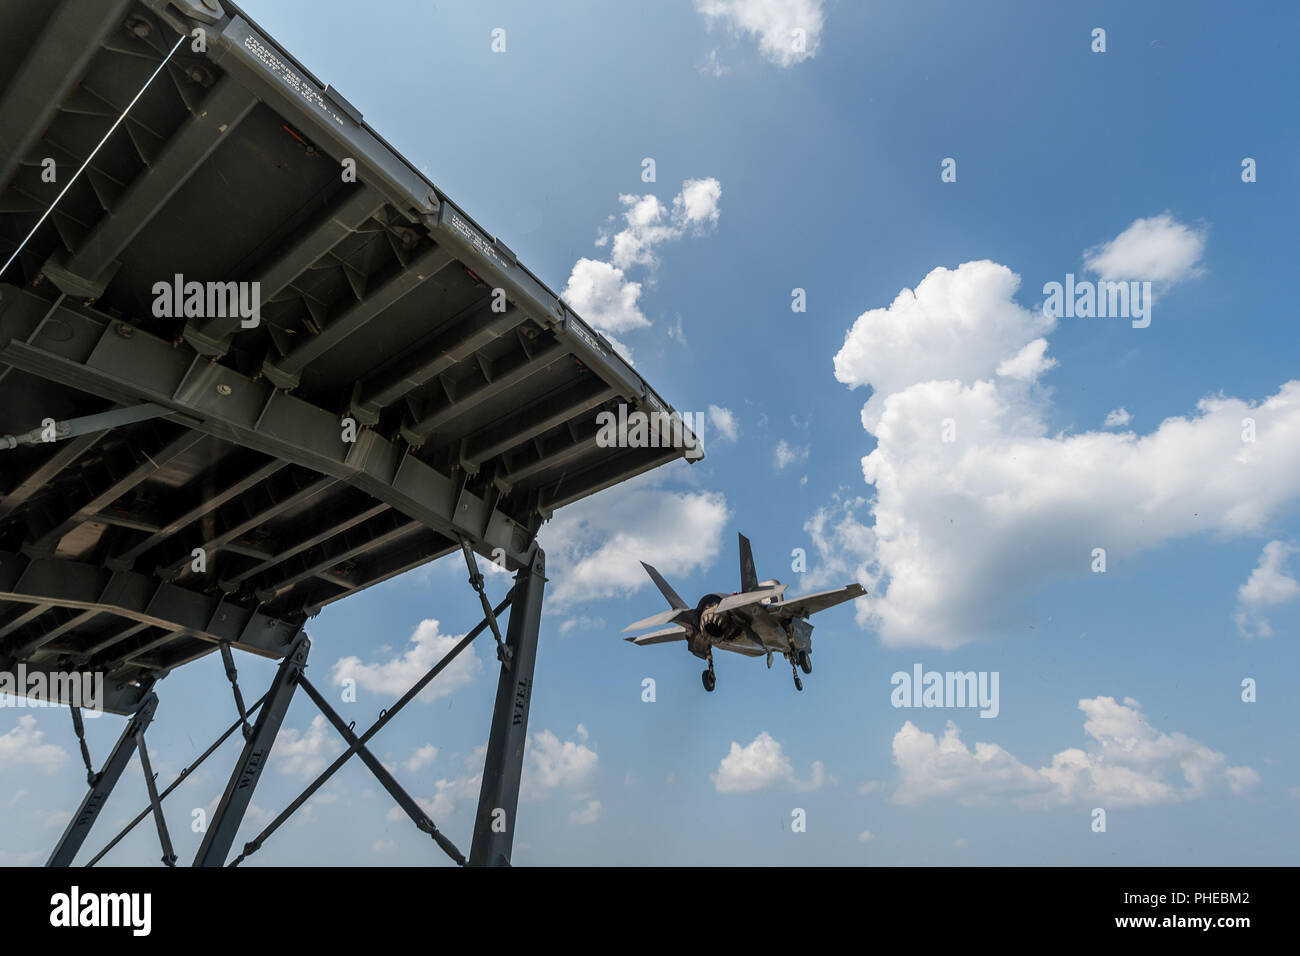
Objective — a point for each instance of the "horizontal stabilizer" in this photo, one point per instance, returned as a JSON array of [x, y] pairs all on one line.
[[674, 633], [812, 603], [672, 615], [749, 597]]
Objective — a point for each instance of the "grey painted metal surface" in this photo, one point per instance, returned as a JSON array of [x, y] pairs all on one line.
[[494, 822], [143, 541], [252, 761]]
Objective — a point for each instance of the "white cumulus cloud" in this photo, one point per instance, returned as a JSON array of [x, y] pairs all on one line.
[[595, 547], [724, 420], [786, 454], [1270, 585], [1157, 249], [602, 292], [1126, 762], [299, 753], [788, 31], [761, 765], [977, 504], [395, 676], [24, 746], [1117, 418]]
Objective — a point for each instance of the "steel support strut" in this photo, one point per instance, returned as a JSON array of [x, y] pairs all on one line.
[[498, 800], [409, 806], [102, 785], [239, 790]]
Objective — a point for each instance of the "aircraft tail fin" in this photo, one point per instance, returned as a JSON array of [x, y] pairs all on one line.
[[748, 576]]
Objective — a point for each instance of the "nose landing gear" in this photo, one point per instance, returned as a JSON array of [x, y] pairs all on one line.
[[709, 677]]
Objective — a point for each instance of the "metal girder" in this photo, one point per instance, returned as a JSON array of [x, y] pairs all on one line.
[[115, 636], [420, 549], [65, 453], [340, 547], [286, 371], [114, 488], [211, 336], [557, 409], [418, 431], [231, 583], [71, 621], [142, 598], [53, 68], [264, 502], [78, 348], [79, 826], [87, 272], [603, 476], [580, 443], [207, 503], [252, 761], [494, 824], [423, 362], [23, 618]]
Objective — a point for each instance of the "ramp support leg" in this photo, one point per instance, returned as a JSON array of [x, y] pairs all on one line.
[[248, 770], [494, 825], [101, 785]]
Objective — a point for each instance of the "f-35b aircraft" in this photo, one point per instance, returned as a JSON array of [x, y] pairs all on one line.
[[754, 621]]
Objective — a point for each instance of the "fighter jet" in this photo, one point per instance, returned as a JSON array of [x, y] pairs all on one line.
[[753, 621]]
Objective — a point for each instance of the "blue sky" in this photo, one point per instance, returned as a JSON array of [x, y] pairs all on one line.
[[820, 170]]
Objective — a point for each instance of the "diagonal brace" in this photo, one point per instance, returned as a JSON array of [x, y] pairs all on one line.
[[255, 844], [102, 786], [412, 809], [180, 778], [169, 855], [476, 582]]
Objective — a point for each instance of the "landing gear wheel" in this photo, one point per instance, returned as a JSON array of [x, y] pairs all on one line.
[[805, 662], [798, 684], [709, 680]]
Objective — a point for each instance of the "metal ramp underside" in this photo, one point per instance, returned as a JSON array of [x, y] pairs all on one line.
[[408, 387]]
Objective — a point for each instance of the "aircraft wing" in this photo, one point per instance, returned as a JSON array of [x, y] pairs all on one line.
[[812, 603], [748, 597], [674, 633]]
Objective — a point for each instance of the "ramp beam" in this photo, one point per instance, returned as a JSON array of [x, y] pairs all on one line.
[[494, 825], [243, 781]]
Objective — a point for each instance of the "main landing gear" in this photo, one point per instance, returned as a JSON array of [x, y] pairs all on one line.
[[709, 677], [798, 684]]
